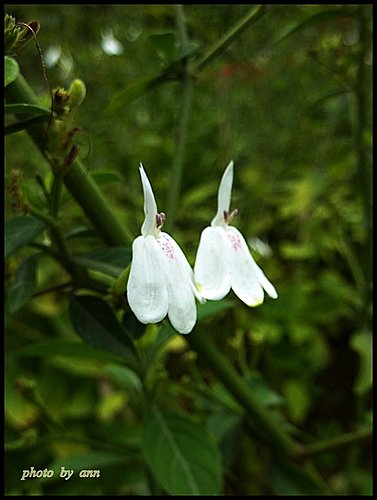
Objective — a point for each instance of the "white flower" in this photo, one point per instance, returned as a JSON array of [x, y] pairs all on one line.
[[161, 280], [223, 259]]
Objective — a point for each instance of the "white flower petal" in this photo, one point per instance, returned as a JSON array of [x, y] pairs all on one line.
[[224, 195], [266, 284], [185, 264], [150, 208], [146, 289], [211, 268], [182, 307], [245, 280]]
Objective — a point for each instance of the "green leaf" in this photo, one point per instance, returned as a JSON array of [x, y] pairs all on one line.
[[88, 460], [164, 334], [166, 331], [50, 348], [287, 478], [105, 177], [227, 427], [262, 391], [20, 292], [19, 412], [319, 17], [297, 399], [21, 231], [24, 124], [124, 376], [110, 405], [111, 261], [182, 455], [81, 232], [212, 308], [96, 324], [361, 342], [130, 322], [165, 43], [134, 91], [26, 109], [11, 70], [189, 49]]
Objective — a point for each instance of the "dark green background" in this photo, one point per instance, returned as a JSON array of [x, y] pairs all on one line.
[[290, 103]]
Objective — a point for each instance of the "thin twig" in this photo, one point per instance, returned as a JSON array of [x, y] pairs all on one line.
[[335, 443], [56, 288], [232, 34]]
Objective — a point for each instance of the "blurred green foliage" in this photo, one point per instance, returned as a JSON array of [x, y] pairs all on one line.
[[290, 102]]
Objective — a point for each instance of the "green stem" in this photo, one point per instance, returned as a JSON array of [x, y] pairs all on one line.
[[58, 238], [53, 289], [219, 363], [177, 168], [187, 90], [77, 179], [56, 190], [79, 275], [91, 200], [335, 443], [181, 26], [259, 415], [89, 197], [232, 34]]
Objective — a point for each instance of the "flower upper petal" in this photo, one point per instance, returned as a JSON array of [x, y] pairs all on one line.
[[150, 208], [224, 195], [245, 280], [178, 275], [146, 289], [211, 269]]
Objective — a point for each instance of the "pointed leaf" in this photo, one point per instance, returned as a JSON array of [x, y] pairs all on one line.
[[11, 70], [111, 261], [26, 109], [96, 324], [47, 349], [319, 17], [105, 177], [361, 342], [165, 43], [182, 455], [21, 290], [20, 231], [134, 91], [188, 50], [212, 308], [23, 125], [288, 479]]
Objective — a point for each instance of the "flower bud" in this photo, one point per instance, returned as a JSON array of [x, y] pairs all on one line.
[[77, 93]]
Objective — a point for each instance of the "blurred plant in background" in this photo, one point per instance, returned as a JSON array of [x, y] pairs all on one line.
[[266, 400]]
